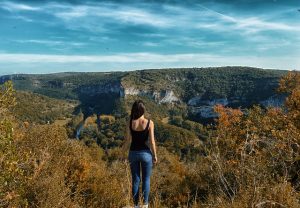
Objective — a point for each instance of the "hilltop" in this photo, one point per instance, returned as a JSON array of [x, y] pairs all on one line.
[[194, 89]]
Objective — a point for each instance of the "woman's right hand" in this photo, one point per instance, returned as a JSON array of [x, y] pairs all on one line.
[[154, 160]]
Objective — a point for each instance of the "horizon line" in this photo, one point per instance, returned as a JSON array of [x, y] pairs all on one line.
[[148, 69]]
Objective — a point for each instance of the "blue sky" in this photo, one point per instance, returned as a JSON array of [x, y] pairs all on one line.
[[39, 36]]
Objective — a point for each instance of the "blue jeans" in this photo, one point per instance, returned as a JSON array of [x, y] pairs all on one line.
[[138, 159]]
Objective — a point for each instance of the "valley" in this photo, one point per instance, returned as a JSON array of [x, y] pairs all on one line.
[[196, 90], [220, 132], [181, 100]]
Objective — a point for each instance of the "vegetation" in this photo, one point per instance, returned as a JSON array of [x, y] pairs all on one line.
[[244, 86], [60, 85], [35, 108], [234, 83], [247, 160]]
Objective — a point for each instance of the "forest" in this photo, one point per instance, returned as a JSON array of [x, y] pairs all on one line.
[[245, 159], [253, 84]]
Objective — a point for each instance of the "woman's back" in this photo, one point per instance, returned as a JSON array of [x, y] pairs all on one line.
[[139, 137]]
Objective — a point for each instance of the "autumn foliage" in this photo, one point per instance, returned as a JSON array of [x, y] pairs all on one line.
[[251, 159]]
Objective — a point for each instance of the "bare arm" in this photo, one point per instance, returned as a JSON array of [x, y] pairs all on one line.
[[152, 142]]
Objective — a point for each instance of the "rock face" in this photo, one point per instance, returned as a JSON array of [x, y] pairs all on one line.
[[169, 97], [205, 108], [164, 96], [102, 89], [36, 83], [134, 91]]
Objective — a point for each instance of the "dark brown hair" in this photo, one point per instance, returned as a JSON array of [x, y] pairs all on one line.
[[137, 110]]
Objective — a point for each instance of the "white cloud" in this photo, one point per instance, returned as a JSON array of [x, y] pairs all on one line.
[[174, 26], [193, 42], [20, 17], [144, 60], [255, 24], [10, 6], [74, 12], [102, 13], [98, 17], [44, 42], [229, 23], [51, 42], [148, 44], [101, 39], [138, 16]]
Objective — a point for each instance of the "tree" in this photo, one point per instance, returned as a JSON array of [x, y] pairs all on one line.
[[11, 175]]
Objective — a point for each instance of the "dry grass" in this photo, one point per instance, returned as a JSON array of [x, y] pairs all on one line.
[[251, 161]]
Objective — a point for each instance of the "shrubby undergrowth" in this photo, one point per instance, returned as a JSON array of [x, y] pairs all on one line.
[[248, 160]]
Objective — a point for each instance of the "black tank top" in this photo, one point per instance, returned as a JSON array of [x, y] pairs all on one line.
[[139, 138]]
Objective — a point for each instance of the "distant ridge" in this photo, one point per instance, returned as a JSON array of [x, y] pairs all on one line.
[[196, 88]]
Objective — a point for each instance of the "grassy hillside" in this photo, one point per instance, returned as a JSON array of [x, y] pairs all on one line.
[[32, 107], [245, 160], [60, 85]]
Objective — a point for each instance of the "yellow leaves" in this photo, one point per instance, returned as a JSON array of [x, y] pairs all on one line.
[[273, 113], [253, 148], [293, 101], [107, 119], [79, 171], [232, 162], [289, 82], [259, 143], [281, 146], [26, 124], [85, 168], [11, 195], [7, 98], [228, 116]]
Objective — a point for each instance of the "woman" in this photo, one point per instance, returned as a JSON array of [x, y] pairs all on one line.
[[140, 133]]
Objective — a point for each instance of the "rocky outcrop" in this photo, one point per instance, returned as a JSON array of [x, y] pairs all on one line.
[[36, 83], [101, 89], [163, 96], [169, 97], [196, 101], [205, 108], [54, 84], [135, 91]]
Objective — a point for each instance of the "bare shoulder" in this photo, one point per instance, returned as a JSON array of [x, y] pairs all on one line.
[[151, 124]]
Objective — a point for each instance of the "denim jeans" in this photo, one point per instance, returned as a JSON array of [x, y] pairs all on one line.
[[140, 159]]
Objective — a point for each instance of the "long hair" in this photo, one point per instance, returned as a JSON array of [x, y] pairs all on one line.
[[137, 110]]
